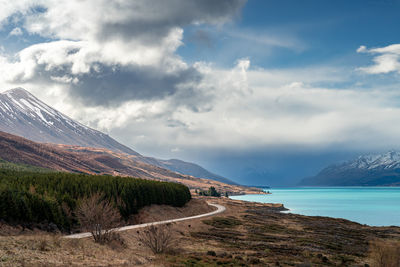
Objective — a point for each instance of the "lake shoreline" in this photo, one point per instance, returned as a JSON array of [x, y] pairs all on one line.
[[374, 206]]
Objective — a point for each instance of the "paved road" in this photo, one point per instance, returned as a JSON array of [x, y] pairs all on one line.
[[219, 209]]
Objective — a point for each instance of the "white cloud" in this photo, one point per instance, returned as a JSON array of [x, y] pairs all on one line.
[[16, 32], [362, 49], [386, 59], [251, 111], [121, 39], [126, 51], [14, 8]]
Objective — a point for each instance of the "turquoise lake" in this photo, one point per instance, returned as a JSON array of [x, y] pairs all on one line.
[[377, 206]]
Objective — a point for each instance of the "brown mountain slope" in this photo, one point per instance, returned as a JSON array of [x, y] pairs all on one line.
[[97, 161], [20, 150], [23, 114]]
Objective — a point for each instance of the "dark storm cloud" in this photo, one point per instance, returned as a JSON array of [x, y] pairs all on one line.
[[112, 86], [140, 31], [279, 166], [159, 17]]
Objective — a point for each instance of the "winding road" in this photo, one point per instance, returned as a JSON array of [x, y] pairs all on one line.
[[219, 209]]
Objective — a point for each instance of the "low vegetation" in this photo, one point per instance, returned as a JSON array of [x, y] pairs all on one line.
[[223, 222], [21, 167], [158, 238], [384, 253], [246, 234], [28, 197]]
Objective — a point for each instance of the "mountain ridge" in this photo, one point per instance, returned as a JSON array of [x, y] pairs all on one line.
[[22, 114], [98, 161], [25, 115], [366, 170], [188, 168]]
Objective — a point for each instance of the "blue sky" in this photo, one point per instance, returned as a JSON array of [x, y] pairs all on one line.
[[322, 32], [263, 92]]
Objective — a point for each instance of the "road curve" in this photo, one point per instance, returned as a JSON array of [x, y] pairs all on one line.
[[219, 209]]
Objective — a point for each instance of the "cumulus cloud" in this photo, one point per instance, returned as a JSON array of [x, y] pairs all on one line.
[[133, 82], [95, 79], [386, 59], [253, 109], [109, 52], [12, 10], [149, 20], [119, 59]]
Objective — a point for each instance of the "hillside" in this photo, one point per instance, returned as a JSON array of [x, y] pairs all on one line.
[[367, 170], [78, 159], [22, 114]]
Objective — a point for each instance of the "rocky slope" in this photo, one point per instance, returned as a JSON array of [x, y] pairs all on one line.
[[367, 170], [24, 115]]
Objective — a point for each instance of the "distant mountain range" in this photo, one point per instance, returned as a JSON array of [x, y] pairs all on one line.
[[24, 115], [186, 168], [367, 170]]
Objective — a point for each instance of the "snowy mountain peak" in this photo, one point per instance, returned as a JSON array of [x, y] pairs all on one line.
[[390, 159], [367, 170], [18, 101], [21, 113], [18, 93]]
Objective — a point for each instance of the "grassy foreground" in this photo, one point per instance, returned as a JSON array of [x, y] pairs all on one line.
[[247, 234]]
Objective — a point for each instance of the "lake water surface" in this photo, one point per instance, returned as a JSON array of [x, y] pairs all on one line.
[[377, 206]]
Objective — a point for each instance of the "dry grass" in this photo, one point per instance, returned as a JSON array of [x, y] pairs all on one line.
[[35, 248], [46, 250], [384, 253], [247, 234]]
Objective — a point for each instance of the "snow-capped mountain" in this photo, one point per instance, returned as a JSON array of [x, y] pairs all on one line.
[[388, 160], [369, 170], [23, 114]]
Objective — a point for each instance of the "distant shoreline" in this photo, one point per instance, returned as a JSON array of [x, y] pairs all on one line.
[[354, 204]]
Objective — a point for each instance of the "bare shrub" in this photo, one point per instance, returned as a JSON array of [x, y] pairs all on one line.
[[158, 238], [98, 216], [384, 253]]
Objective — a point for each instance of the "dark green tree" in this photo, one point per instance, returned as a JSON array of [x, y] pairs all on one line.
[[213, 192]]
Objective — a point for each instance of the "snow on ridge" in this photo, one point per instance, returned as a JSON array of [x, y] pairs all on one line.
[[23, 114], [25, 102], [388, 160]]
